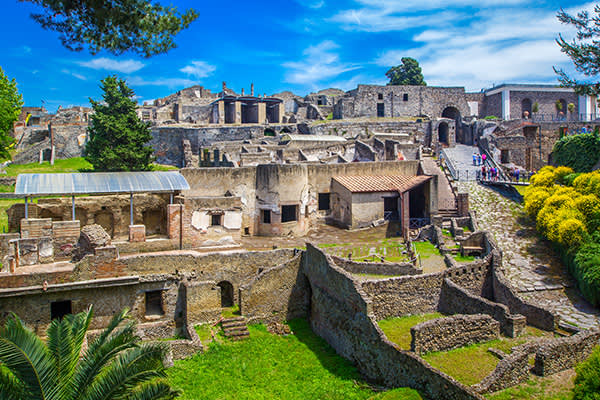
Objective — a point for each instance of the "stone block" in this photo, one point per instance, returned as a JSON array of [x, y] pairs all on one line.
[[137, 233]]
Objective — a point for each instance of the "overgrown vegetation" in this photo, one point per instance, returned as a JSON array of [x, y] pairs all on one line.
[[579, 152], [265, 366], [566, 208], [587, 381]]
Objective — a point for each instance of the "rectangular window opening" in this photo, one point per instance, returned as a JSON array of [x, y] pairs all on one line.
[[58, 309], [266, 216], [154, 303], [289, 213], [215, 219], [324, 201]]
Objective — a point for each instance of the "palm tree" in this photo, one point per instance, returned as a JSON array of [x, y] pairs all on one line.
[[115, 366]]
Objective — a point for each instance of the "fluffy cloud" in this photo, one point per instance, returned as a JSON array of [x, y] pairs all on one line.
[[321, 63], [124, 66], [198, 69]]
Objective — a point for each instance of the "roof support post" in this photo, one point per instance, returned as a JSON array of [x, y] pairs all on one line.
[[131, 209], [73, 207], [26, 208]]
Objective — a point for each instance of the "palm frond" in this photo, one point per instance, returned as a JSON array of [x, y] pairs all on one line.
[[26, 356]]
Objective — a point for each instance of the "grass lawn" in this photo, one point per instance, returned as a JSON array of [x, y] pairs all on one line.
[[397, 330], [300, 366], [555, 387], [470, 364], [426, 249]]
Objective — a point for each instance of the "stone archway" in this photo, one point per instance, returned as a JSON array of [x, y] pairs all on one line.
[[443, 131], [526, 107], [452, 112], [226, 293]]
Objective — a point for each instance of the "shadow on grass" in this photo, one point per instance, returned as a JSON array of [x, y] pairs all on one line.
[[326, 355]]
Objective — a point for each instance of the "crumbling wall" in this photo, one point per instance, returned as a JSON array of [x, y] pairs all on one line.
[[277, 294], [342, 314], [456, 300], [448, 333]]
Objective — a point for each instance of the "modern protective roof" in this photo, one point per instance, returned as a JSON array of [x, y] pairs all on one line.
[[380, 183], [100, 183], [311, 138]]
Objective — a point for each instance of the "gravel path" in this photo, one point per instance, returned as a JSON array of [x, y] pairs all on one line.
[[529, 262]]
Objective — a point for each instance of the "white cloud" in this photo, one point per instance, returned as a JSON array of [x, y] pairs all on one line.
[[124, 66], [74, 74], [168, 82], [320, 63], [199, 69], [495, 47]]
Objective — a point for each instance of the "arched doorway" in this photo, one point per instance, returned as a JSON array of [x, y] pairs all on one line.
[[443, 133], [226, 293], [526, 107], [453, 113]]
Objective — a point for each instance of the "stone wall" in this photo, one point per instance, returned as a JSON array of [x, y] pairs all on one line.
[[442, 334], [342, 314], [561, 354], [536, 315], [456, 300], [277, 294], [395, 269]]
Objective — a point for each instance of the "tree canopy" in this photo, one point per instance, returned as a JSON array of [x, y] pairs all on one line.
[[117, 26], [118, 137], [11, 102], [407, 73], [583, 50], [115, 365]]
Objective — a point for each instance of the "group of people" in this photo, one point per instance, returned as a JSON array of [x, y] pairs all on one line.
[[489, 173], [478, 159]]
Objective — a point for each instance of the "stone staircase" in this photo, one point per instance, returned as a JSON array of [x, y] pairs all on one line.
[[235, 328]]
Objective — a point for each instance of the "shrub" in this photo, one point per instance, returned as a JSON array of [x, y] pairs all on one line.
[[587, 381], [580, 152]]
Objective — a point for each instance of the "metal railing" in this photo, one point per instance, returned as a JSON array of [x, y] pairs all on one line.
[[567, 117], [416, 223]]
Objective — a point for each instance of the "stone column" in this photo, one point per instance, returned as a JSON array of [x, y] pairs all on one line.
[[506, 104], [262, 113]]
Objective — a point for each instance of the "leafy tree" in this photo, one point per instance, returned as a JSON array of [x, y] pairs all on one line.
[[114, 366], [118, 136], [583, 50], [117, 26], [11, 102], [407, 73]]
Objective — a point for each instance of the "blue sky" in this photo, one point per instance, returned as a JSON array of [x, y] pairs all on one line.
[[302, 46]]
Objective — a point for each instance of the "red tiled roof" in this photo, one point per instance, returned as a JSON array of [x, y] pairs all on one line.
[[380, 183]]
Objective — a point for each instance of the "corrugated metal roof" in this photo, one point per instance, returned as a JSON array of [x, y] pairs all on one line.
[[380, 183], [312, 138], [100, 183]]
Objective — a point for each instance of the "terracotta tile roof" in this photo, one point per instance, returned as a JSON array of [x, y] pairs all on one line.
[[380, 183]]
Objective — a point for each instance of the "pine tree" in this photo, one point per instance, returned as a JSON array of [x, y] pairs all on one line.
[[118, 138]]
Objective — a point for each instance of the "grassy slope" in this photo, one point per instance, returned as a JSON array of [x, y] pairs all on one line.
[[300, 366]]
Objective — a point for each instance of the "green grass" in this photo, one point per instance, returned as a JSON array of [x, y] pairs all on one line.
[[397, 330], [461, 259], [300, 366], [470, 364], [535, 388], [426, 249], [204, 332], [75, 164]]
